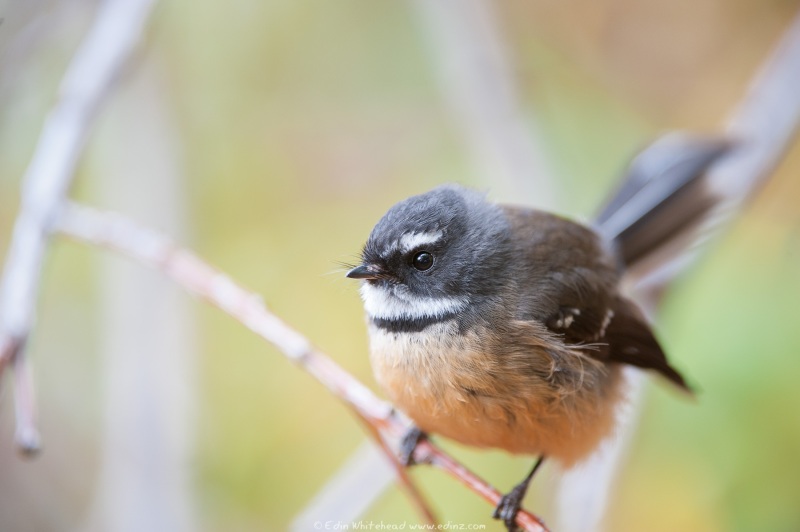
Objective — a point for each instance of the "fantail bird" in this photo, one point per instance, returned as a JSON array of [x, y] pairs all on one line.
[[504, 326]]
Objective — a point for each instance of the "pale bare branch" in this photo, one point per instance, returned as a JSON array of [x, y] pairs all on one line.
[[477, 80], [99, 60], [763, 125], [365, 471]]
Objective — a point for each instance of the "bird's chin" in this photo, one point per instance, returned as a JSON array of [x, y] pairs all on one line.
[[396, 302]]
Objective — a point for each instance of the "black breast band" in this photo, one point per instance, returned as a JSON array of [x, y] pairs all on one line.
[[410, 325]]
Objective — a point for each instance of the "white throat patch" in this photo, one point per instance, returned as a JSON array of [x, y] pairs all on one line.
[[396, 303]]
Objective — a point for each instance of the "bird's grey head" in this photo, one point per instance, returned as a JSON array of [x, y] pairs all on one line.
[[432, 256]]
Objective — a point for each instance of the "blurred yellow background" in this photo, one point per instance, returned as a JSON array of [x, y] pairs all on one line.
[[285, 130]]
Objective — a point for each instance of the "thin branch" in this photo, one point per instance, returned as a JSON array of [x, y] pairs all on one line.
[[764, 124], [766, 120], [115, 232], [27, 435], [140, 445], [402, 474], [477, 79], [97, 63], [366, 470]]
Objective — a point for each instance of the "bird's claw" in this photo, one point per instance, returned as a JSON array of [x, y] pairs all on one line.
[[409, 443], [508, 507]]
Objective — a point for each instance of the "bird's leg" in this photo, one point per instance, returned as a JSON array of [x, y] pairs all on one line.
[[510, 503], [408, 443]]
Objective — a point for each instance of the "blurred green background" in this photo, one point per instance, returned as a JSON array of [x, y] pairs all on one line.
[[292, 127]]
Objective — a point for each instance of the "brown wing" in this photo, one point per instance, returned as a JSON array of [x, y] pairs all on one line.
[[631, 341], [571, 285], [618, 334]]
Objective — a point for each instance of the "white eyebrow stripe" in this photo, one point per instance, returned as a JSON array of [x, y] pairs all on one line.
[[381, 304], [410, 241]]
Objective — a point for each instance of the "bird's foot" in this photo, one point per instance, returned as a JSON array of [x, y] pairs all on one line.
[[509, 505], [409, 443]]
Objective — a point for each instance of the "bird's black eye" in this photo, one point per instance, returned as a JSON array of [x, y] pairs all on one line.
[[422, 261]]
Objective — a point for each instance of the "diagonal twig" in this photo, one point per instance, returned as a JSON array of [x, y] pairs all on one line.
[[763, 125], [402, 475]]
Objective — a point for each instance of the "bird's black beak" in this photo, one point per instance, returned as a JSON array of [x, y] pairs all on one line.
[[363, 272]]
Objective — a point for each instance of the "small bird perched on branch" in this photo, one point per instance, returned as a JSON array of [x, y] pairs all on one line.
[[504, 326]]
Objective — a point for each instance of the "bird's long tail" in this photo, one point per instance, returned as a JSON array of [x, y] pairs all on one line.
[[662, 196]]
